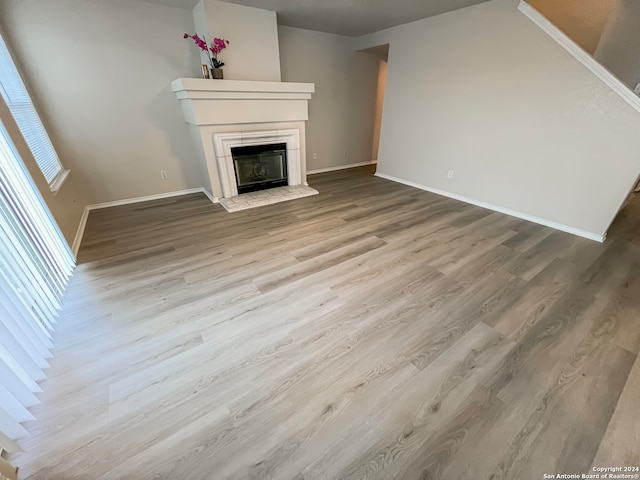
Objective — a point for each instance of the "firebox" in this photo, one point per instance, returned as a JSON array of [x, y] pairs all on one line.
[[259, 167]]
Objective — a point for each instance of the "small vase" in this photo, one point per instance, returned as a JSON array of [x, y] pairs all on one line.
[[205, 71], [217, 73]]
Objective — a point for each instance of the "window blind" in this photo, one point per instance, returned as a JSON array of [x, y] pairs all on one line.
[[17, 98], [35, 265]]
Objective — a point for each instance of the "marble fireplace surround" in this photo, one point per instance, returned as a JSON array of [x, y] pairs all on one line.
[[223, 114], [224, 142]]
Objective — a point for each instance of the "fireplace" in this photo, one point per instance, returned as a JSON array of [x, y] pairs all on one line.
[[227, 114], [227, 143], [259, 167]]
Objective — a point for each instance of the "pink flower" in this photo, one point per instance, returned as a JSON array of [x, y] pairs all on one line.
[[217, 45]]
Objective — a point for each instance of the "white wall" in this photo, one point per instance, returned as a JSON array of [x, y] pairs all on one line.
[[342, 111], [100, 74], [253, 52], [484, 92], [619, 47]]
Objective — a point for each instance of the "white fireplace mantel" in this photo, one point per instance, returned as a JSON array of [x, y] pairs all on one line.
[[241, 101], [237, 109], [206, 88]]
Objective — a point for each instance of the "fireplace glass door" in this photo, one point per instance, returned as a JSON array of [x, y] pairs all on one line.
[[259, 167]]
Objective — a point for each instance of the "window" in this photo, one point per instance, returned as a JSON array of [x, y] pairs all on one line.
[[35, 266], [17, 98]]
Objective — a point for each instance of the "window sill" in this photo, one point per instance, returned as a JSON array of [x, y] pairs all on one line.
[[58, 181]]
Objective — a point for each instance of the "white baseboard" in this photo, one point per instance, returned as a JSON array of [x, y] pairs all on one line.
[[80, 232], [341, 167], [210, 196], [541, 221], [158, 196], [127, 201]]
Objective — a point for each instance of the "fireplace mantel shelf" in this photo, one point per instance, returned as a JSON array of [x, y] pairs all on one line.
[[206, 89]]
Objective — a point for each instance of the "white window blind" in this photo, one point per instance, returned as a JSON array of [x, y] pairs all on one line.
[[17, 98], [35, 265]]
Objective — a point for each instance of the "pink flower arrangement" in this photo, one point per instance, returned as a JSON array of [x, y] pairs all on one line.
[[212, 51]]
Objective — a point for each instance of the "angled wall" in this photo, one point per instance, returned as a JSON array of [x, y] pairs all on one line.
[[582, 20], [253, 52], [67, 206], [619, 47], [525, 127]]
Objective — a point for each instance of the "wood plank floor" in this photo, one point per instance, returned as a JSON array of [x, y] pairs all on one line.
[[372, 331]]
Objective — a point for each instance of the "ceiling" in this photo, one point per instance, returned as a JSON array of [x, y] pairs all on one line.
[[345, 17]]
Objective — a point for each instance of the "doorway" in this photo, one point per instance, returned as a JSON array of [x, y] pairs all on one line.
[[382, 54]]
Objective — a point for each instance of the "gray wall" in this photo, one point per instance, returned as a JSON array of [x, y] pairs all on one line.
[[100, 73], [342, 112], [525, 127]]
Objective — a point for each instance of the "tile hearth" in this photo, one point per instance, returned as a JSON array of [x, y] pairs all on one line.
[[266, 197]]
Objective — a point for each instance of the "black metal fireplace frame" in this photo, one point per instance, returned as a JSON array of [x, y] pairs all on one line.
[[257, 150]]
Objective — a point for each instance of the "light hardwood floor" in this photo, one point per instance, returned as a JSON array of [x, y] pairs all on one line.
[[372, 331]]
